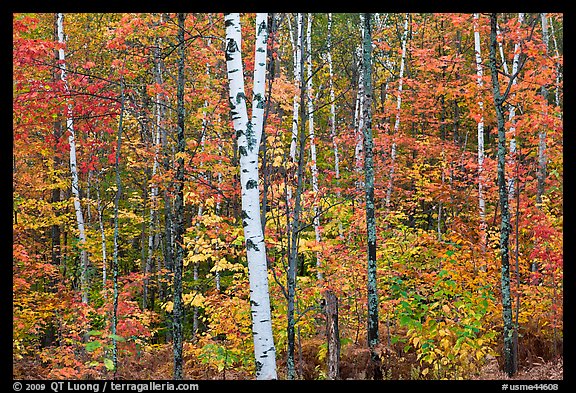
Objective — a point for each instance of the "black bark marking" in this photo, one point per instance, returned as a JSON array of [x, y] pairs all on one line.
[[251, 245]]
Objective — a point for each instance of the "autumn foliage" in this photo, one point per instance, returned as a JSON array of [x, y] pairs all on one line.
[[439, 288]]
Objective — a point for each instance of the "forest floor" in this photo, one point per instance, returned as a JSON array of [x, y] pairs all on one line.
[[538, 371]]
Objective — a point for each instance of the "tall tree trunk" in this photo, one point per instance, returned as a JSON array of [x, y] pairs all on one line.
[[479, 74], [249, 133], [398, 106], [512, 114], [333, 335], [542, 160], [116, 233], [359, 108], [100, 211], [152, 237], [178, 310], [73, 166], [294, 235], [55, 197], [558, 72], [297, 46], [332, 121], [332, 100], [373, 337], [503, 197], [313, 167], [297, 49]]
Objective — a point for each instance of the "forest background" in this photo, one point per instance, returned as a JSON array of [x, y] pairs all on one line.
[[129, 246]]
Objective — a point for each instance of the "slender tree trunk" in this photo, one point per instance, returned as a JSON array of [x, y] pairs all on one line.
[[398, 106], [332, 335], [332, 100], [297, 83], [55, 197], [373, 336], [542, 160], [313, 167], [84, 285], [479, 74], [154, 185], [297, 49], [100, 211], [178, 311], [512, 114], [249, 133], [558, 72], [359, 109], [295, 235], [332, 121], [503, 196], [116, 233]]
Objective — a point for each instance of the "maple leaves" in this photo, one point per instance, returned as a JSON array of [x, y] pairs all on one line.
[[438, 289]]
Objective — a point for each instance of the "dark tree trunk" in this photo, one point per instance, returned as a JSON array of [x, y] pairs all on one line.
[[116, 233], [373, 338], [295, 228], [503, 196], [332, 335], [178, 310]]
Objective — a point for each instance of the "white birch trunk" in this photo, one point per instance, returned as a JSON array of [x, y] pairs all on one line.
[[558, 72], [297, 46], [398, 106], [313, 167], [296, 40], [249, 133], [542, 160], [359, 109], [511, 114], [332, 100], [479, 73], [100, 210], [73, 165]]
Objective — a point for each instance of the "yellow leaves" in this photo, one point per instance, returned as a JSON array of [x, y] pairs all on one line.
[[168, 306], [194, 299], [445, 343], [195, 258], [445, 308], [278, 160], [181, 155], [223, 264]]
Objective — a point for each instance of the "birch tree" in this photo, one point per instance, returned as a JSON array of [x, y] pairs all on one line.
[[249, 133], [154, 185], [512, 109], [116, 233], [481, 203], [313, 167], [73, 163], [542, 160], [332, 121], [294, 226], [398, 106]]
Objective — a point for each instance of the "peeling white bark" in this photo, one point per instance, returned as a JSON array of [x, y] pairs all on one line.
[[479, 74], [249, 133], [73, 164]]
